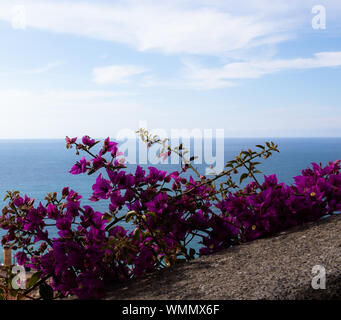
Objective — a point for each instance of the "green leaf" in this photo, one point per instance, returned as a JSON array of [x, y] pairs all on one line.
[[243, 177], [130, 215], [94, 144], [152, 214], [192, 253], [45, 291], [106, 216], [137, 233], [33, 280]]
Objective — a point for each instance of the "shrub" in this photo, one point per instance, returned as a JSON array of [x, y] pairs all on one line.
[[168, 211]]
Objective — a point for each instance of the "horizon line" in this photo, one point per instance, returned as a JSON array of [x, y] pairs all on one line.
[[192, 137]]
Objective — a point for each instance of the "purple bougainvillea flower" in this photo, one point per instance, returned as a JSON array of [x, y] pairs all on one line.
[[159, 204], [65, 192], [102, 188], [88, 141], [21, 258], [79, 167], [109, 146], [70, 140], [93, 249]]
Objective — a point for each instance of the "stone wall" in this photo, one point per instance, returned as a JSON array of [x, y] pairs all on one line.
[[279, 267]]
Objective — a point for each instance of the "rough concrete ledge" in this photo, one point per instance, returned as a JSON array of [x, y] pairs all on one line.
[[279, 267]]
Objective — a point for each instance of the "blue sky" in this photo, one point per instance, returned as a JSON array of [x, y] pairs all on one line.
[[252, 68]]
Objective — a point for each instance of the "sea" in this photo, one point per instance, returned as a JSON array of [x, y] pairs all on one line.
[[37, 167]]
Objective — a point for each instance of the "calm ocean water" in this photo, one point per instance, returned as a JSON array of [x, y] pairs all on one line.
[[36, 167]]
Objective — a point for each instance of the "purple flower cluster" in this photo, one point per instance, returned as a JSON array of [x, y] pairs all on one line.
[[262, 210], [166, 212]]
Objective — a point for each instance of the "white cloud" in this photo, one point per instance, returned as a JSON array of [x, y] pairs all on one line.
[[33, 71], [43, 69], [116, 73], [211, 78], [169, 27], [8, 97], [245, 31], [56, 113]]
